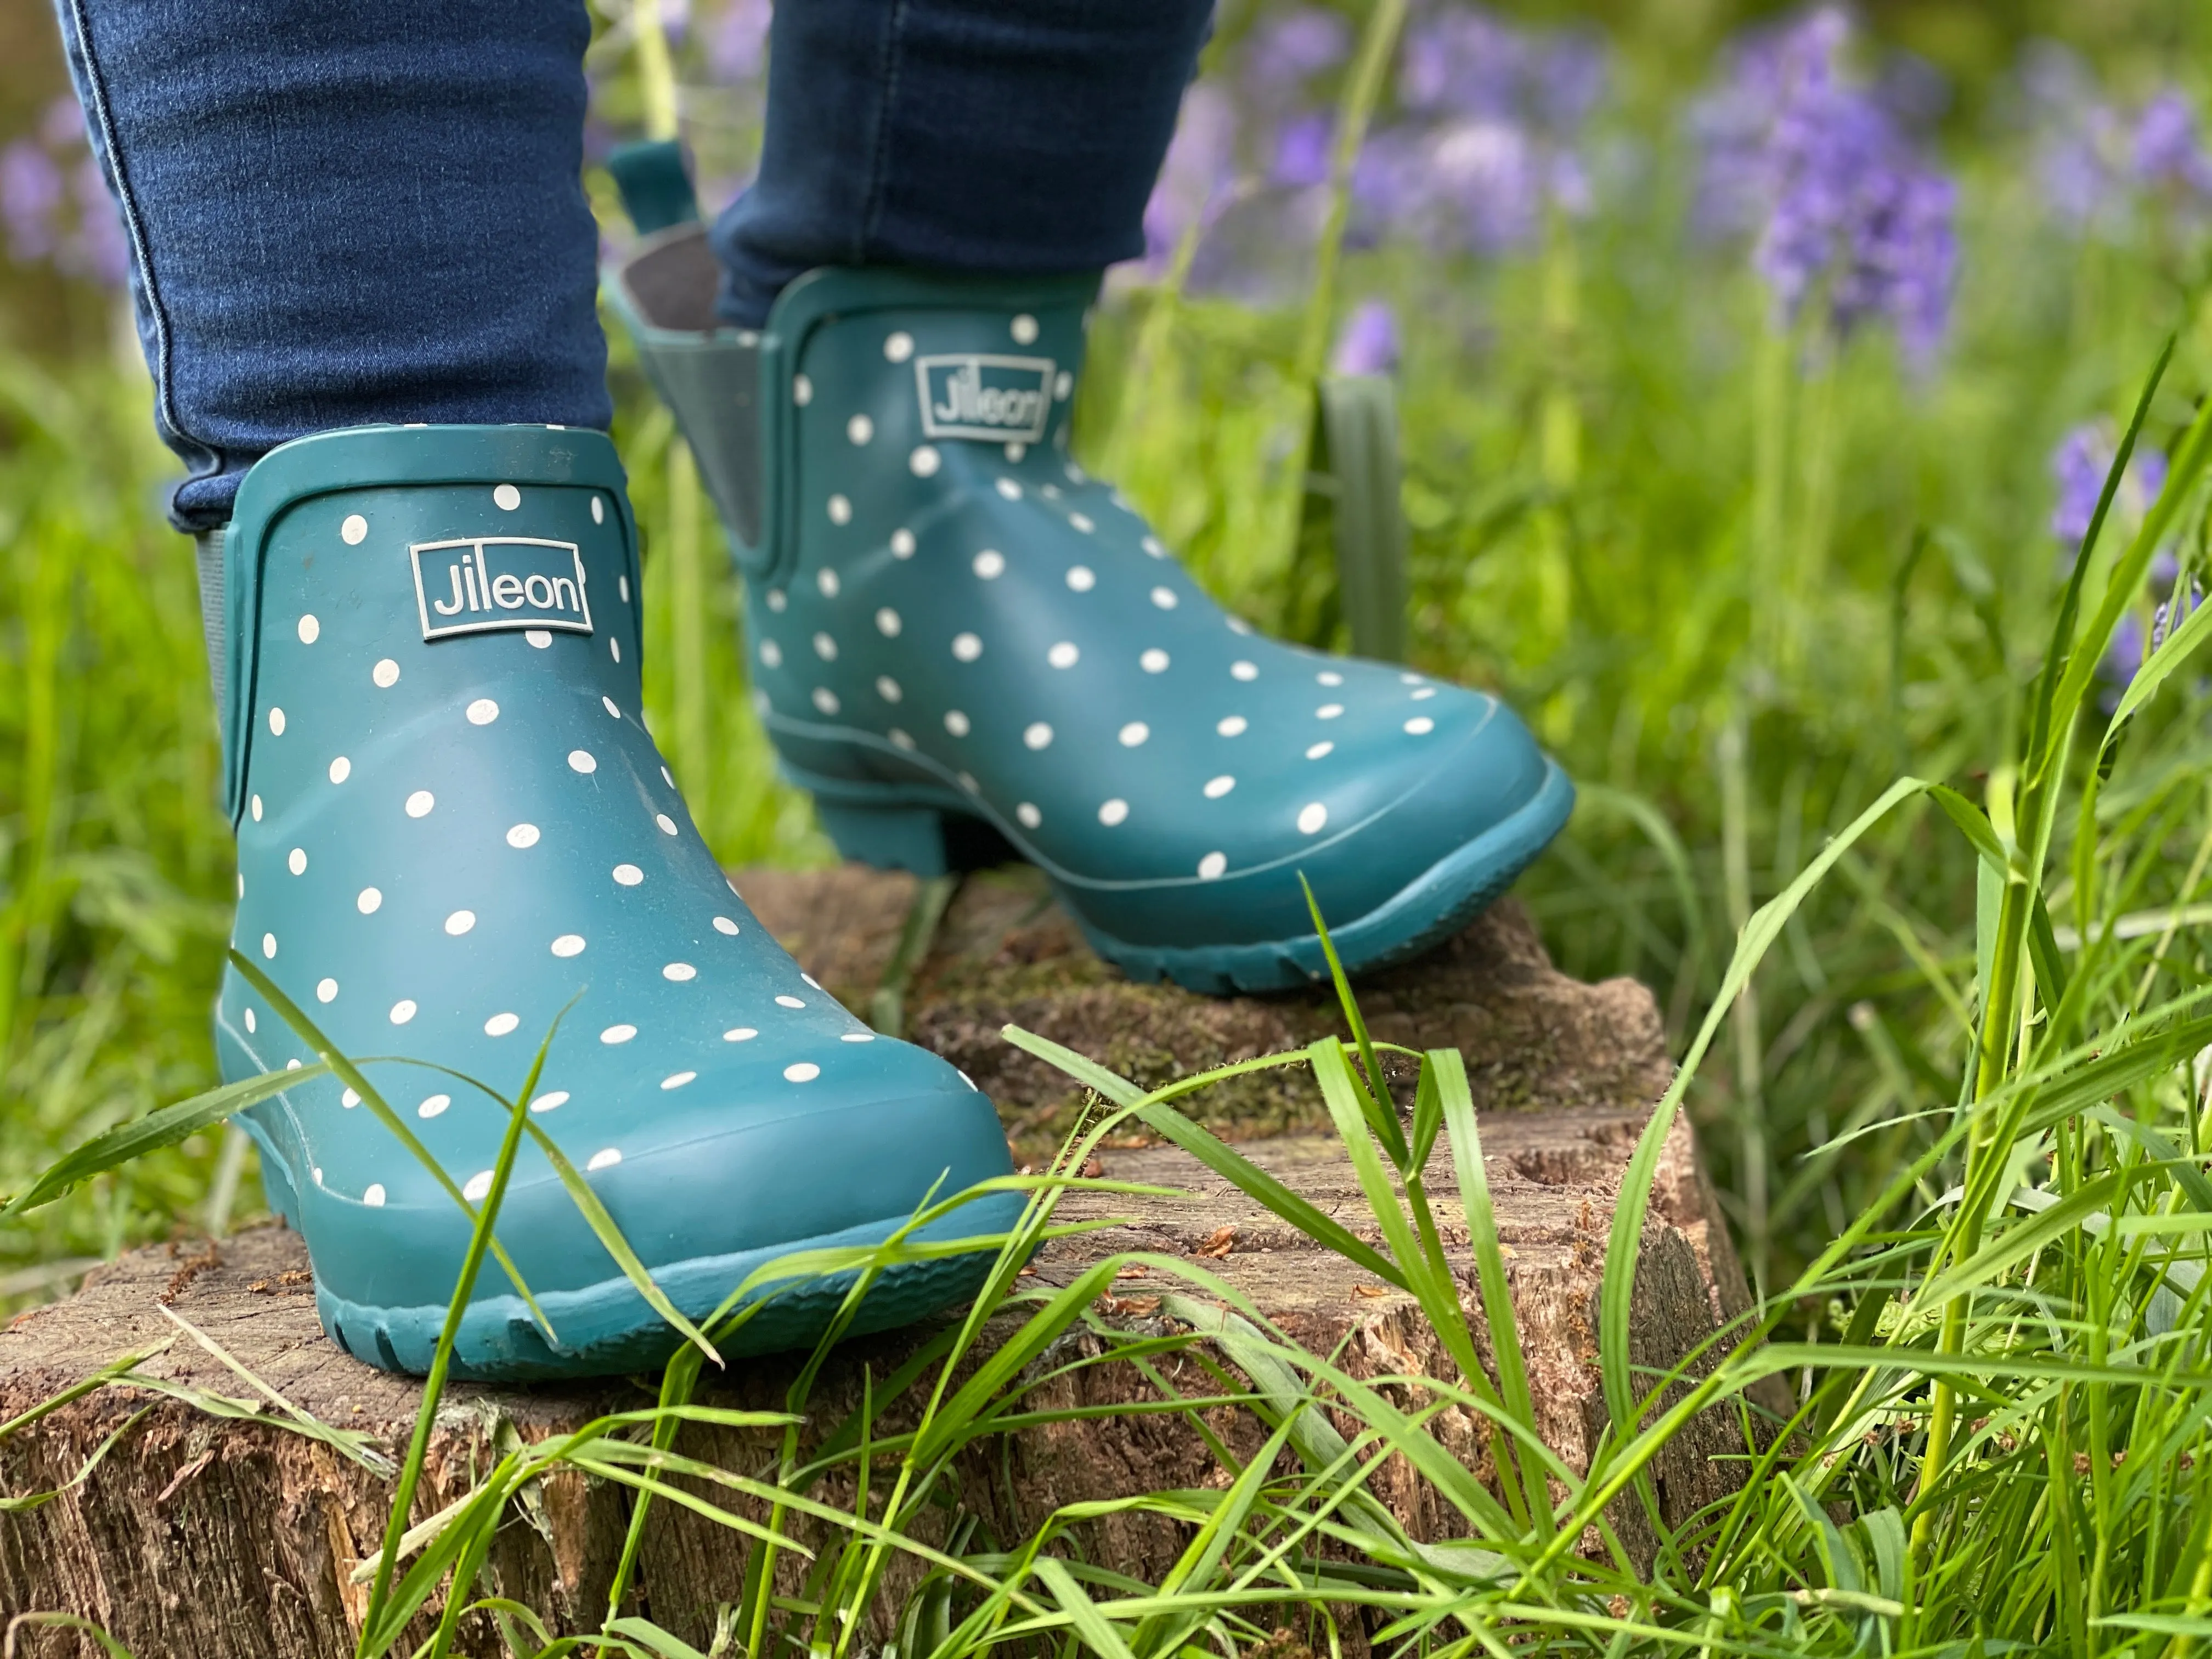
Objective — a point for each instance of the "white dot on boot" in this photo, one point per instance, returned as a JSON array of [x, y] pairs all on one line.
[[606, 1158], [740, 1033], [771, 655], [1113, 812], [1037, 735], [523, 835], [629, 874], [615, 1034], [581, 760], [537, 636], [860, 428], [1029, 815], [420, 803], [507, 497], [1064, 655], [805, 1071], [1320, 750], [341, 769], [924, 462], [888, 688], [297, 862], [898, 347], [724, 925], [1232, 726], [1023, 328], [569, 944], [478, 1187], [1081, 578], [1217, 787], [268, 945], [677, 1080], [1244, 670], [679, 971], [276, 722], [257, 809], [1154, 661], [460, 922], [825, 700], [310, 630], [902, 544], [1421, 726], [966, 646], [888, 623], [955, 723], [551, 1101], [802, 390], [403, 1011], [501, 1024], [1134, 733], [599, 515], [667, 825], [373, 1195], [1328, 711], [990, 564], [826, 579], [825, 647], [1312, 818], [355, 529], [326, 990], [787, 1001], [483, 712], [1212, 866], [1164, 597], [369, 902]]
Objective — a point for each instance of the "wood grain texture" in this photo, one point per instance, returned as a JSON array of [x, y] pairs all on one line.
[[198, 1536]]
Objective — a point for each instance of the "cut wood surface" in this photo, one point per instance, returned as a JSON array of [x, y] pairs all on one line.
[[200, 1535]]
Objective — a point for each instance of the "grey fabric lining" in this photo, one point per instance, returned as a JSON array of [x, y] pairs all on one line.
[[710, 377], [207, 548]]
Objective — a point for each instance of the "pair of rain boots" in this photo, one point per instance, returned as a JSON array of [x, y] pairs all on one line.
[[453, 828]]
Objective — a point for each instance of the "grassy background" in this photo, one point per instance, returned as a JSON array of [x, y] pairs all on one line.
[[1750, 688]]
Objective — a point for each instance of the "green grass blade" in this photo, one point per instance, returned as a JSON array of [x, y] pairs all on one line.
[[164, 1126], [1374, 1091]]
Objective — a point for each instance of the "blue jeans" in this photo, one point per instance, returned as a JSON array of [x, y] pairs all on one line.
[[349, 211]]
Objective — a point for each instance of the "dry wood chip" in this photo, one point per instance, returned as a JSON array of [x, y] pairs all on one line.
[[1093, 1169], [1218, 1243], [1130, 1307], [1370, 1291]]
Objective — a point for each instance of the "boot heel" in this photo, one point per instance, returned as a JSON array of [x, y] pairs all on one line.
[[889, 837]]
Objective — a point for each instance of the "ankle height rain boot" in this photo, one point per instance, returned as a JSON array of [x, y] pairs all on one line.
[[452, 829], [953, 625]]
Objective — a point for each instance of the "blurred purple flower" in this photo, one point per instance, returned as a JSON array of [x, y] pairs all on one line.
[[1368, 345], [1498, 117], [1848, 217], [2078, 467], [1289, 51], [2167, 151], [55, 204], [2122, 659], [31, 193], [1198, 177], [1302, 148], [737, 41]]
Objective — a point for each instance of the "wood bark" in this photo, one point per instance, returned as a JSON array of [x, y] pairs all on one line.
[[204, 1537]]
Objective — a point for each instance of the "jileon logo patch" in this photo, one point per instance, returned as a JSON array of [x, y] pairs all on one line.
[[484, 582], [1001, 400]]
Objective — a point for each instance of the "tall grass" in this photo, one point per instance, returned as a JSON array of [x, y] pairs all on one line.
[[1946, 1044]]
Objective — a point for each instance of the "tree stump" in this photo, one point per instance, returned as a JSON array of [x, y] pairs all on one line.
[[199, 1536]]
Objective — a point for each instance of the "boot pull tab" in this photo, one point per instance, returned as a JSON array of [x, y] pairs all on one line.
[[656, 190]]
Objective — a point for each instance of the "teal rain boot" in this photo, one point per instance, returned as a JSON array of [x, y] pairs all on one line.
[[452, 829], [954, 627]]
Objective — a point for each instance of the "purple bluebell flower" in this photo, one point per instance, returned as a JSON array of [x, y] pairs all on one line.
[[2122, 659], [1302, 151], [31, 194], [1289, 51], [2078, 467], [1498, 113], [2167, 151], [1198, 179], [737, 41], [1848, 219], [1368, 345], [55, 203]]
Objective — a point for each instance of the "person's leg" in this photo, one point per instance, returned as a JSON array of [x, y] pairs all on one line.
[[365, 271], [1006, 136], [343, 212]]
